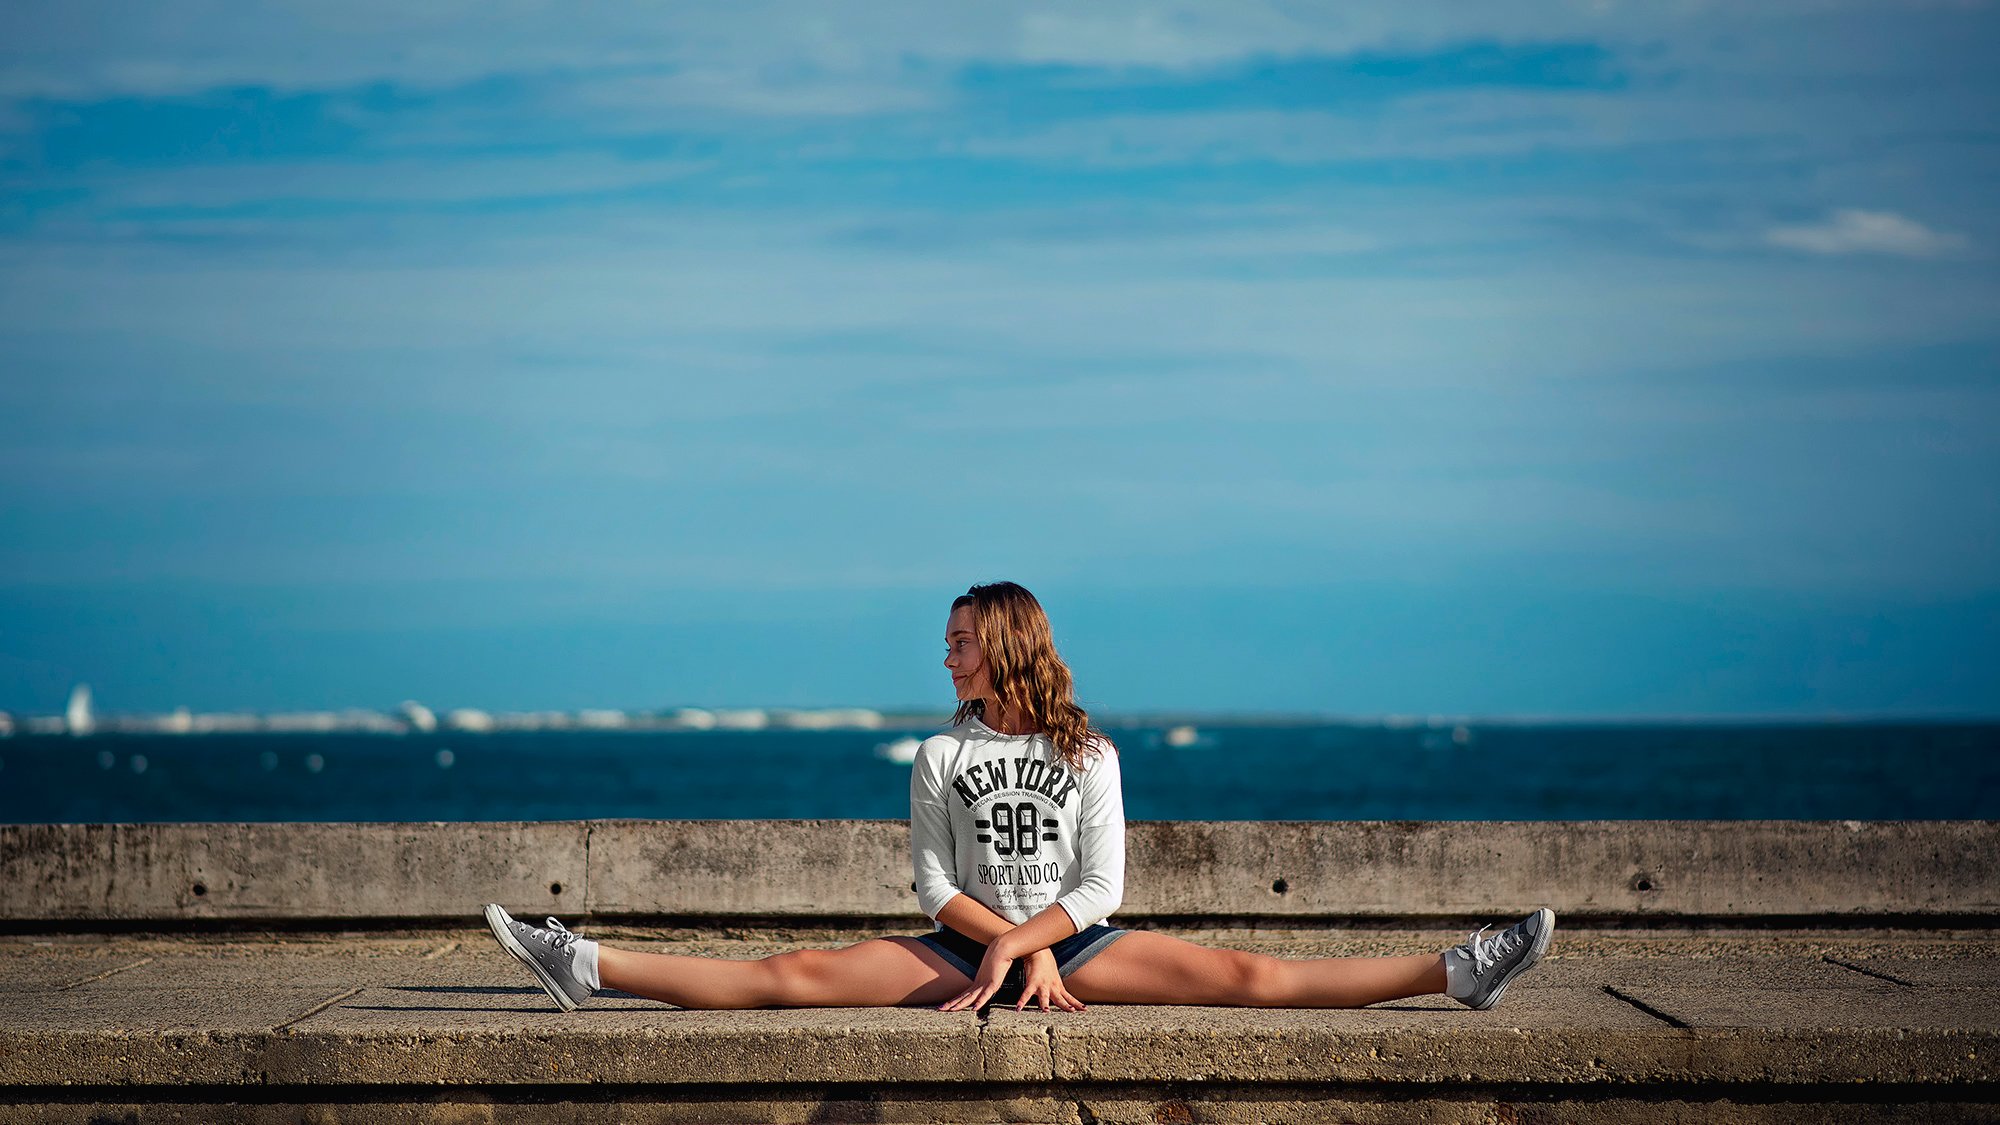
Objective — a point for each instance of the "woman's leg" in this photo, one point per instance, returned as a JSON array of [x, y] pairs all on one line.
[[880, 972], [1150, 968]]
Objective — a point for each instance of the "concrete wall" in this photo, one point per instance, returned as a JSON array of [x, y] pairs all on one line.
[[802, 869]]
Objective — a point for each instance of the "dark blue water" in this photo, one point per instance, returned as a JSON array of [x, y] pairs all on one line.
[[1502, 772]]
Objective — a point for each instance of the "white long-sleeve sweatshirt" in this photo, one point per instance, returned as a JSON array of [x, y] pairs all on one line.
[[999, 817]]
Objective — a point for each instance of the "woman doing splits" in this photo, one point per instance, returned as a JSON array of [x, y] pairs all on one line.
[[1017, 836]]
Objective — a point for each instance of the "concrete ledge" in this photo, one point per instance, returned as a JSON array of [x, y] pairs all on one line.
[[787, 1048], [750, 868], [1603, 868], [848, 869], [194, 872], [1012, 1102], [1624, 1025]]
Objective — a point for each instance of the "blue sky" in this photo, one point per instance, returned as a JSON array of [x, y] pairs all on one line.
[[1581, 359]]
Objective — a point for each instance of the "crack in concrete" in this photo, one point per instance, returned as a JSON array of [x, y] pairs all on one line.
[[106, 974], [441, 950], [1657, 1014], [316, 1009], [985, 1048], [1876, 973]]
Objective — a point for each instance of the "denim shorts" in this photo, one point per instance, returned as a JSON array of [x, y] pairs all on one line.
[[964, 954]]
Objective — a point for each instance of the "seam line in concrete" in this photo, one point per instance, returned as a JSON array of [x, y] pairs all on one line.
[[106, 974], [589, 884], [1646, 1008], [1876, 973], [316, 1009], [441, 950]]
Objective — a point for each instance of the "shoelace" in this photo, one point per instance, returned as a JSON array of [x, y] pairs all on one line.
[[557, 935], [1485, 953]]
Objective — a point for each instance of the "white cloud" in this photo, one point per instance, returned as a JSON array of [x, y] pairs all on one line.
[[641, 98], [1854, 231], [633, 292], [766, 54], [414, 181], [1431, 126]]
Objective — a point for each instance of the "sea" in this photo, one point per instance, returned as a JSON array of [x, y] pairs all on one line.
[[1184, 771]]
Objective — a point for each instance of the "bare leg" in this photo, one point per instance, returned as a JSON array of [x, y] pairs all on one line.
[[881, 972], [1150, 968]]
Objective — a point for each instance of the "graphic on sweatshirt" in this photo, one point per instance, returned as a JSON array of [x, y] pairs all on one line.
[[1013, 810]]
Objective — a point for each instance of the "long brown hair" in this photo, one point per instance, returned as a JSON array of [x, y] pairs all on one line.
[[1028, 675]]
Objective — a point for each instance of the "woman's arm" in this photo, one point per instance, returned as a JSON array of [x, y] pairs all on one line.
[[933, 853], [976, 920], [1100, 842], [1034, 935]]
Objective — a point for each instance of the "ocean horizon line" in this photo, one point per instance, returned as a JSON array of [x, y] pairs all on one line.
[[410, 717]]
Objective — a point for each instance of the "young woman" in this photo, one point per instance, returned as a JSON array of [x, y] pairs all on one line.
[[1017, 835]]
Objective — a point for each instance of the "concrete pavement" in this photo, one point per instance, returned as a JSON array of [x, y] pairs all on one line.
[[1616, 1024]]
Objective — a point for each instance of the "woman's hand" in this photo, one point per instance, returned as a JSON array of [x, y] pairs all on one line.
[[1044, 983], [1045, 986], [987, 981]]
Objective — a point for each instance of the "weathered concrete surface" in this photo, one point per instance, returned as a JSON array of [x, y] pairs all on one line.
[[795, 868], [860, 870], [1615, 1025], [162, 872], [1149, 1105], [1709, 868]]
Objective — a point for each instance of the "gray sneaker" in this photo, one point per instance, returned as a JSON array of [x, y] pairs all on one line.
[[1499, 959], [548, 950]]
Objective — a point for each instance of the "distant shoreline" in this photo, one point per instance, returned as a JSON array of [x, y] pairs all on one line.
[[752, 720]]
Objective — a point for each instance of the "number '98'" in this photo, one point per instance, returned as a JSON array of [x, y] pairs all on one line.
[[1015, 831]]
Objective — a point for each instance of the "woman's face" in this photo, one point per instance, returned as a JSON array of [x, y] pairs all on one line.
[[964, 659]]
